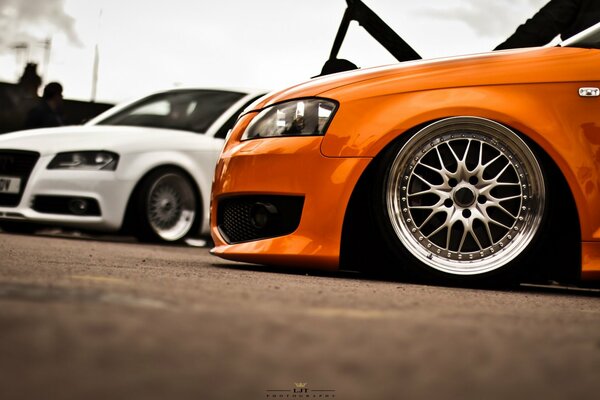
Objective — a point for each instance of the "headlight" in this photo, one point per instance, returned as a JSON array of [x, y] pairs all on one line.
[[91, 160], [305, 117]]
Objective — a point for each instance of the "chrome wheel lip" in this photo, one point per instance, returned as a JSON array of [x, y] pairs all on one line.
[[502, 251], [171, 207]]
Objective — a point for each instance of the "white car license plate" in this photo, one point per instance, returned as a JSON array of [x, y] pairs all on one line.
[[9, 184]]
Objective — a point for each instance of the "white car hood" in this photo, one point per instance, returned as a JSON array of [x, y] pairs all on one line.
[[122, 139]]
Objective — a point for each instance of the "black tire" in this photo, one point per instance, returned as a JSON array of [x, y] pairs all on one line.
[[165, 207], [25, 228], [462, 200]]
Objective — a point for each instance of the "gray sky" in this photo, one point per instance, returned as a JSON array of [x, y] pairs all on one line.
[[153, 45]]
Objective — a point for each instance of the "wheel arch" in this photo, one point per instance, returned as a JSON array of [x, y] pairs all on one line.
[[564, 266], [128, 218], [364, 127]]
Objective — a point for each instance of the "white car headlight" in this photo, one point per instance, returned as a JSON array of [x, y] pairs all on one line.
[[303, 117], [91, 160]]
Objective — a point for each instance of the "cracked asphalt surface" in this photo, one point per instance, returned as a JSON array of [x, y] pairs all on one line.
[[96, 318]]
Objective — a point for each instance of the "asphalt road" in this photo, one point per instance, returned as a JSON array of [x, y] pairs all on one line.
[[103, 319]]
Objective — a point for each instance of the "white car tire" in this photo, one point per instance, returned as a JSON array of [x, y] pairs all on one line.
[[166, 206]]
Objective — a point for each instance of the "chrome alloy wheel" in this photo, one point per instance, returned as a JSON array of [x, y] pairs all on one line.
[[465, 195], [171, 207]]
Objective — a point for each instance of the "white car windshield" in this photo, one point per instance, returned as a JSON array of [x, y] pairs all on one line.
[[189, 110]]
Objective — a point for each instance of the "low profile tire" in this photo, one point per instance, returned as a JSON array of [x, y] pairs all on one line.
[[461, 200], [166, 207]]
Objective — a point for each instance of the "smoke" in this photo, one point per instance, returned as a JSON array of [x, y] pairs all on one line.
[[489, 18], [26, 21]]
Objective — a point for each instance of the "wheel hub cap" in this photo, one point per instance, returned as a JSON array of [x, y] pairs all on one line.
[[464, 197], [166, 209]]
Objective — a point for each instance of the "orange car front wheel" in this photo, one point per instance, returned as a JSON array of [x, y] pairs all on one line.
[[462, 199]]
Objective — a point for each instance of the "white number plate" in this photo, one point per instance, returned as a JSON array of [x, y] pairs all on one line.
[[9, 184]]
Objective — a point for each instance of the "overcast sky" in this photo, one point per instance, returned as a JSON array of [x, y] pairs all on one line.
[[147, 45]]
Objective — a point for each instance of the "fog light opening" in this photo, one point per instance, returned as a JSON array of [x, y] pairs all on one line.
[[262, 215], [78, 206]]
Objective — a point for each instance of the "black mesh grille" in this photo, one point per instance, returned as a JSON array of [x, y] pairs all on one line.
[[235, 219], [19, 164]]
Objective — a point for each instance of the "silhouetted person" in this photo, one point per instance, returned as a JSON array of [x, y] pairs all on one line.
[[30, 81], [47, 113], [559, 17]]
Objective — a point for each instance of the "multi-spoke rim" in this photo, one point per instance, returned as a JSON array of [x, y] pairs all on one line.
[[171, 207], [465, 195]]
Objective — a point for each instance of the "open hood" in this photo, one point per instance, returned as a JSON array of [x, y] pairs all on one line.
[[379, 30]]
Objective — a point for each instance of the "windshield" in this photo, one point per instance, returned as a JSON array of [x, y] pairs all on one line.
[[589, 38], [189, 110]]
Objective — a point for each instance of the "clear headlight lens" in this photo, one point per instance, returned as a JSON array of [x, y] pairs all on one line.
[[304, 117], [90, 160]]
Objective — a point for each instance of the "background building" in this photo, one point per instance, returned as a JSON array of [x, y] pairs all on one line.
[[16, 99]]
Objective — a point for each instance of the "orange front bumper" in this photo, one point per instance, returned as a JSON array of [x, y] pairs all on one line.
[[590, 261], [288, 166]]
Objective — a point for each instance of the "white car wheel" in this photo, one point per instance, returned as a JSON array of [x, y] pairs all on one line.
[[168, 209]]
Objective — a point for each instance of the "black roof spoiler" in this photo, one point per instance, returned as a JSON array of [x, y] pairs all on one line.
[[379, 30]]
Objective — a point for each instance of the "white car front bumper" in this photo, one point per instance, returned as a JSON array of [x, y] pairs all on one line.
[[48, 193]]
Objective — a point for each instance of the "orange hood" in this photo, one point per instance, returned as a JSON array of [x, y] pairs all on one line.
[[534, 65]]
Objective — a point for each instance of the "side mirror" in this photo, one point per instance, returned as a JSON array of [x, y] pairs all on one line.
[[337, 65]]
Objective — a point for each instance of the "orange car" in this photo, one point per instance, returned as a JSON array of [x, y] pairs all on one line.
[[466, 169]]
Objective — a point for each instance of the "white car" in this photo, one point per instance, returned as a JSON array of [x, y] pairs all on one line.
[[145, 167]]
